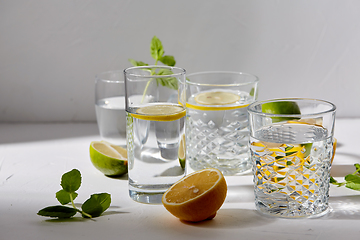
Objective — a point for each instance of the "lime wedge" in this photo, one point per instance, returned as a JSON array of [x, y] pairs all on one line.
[[108, 159], [284, 107], [182, 151], [216, 98], [160, 112]]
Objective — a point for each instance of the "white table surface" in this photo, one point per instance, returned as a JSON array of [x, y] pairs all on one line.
[[34, 156]]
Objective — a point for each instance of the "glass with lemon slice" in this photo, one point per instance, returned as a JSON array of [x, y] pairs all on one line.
[[155, 130], [291, 142], [217, 123]]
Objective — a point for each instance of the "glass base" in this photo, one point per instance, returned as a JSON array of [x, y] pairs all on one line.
[[285, 213], [146, 197], [227, 169]]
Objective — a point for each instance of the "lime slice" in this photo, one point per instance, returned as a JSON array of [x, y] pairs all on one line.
[[182, 151], [160, 112], [284, 107], [108, 159], [216, 98]]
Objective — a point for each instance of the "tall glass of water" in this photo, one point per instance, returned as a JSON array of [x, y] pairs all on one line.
[[110, 106], [155, 110], [291, 142], [217, 120]]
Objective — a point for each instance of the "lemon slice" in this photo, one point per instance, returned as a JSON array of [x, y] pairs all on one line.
[[334, 150], [160, 112], [216, 98], [108, 159], [197, 196], [182, 151]]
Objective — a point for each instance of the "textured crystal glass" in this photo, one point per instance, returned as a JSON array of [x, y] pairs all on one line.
[[217, 120], [291, 156]]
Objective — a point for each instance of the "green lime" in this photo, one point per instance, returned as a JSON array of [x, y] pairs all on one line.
[[182, 150], [281, 107], [108, 159]]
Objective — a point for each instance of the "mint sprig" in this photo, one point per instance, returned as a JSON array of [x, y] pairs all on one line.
[[352, 181], [70, 183], [157, 52]]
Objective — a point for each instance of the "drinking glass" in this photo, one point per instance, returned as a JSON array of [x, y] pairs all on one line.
[[217, 120], [155, 130], [291, 156], [110, 106]]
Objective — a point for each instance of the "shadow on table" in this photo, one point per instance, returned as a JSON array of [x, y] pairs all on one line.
[[343, 170], [344, 207], [19, 132], [234, 218], [110, 211]]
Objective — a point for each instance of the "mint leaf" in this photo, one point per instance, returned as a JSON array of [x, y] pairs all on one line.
[[352, 181], [64, 197], [57, 212], [357, 166], [170, 82], [96, 204], [137, 63], [156, 48], [71, 181], [168, 60]]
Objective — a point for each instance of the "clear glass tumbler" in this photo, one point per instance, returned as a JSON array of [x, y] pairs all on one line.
[[291, 156], [110, 106], [155, 130], [217, 132]]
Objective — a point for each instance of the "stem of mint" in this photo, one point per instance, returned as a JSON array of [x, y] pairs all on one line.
[[157, 53], [352, 181], [70, 182]]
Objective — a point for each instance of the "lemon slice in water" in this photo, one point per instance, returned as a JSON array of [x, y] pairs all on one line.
[[215, 101], [216, 98], [160, 112]]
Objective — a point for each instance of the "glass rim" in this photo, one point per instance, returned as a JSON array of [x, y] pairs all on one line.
[[101, 76], [182, 71], [251, 107], [256, 79]]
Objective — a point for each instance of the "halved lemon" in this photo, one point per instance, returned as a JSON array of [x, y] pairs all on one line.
[[196, 197], [160, 112], [108, 158]]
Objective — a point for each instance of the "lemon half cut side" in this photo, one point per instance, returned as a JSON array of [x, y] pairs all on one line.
[[197, 196]]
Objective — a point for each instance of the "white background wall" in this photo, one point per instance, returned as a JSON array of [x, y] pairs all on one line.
[[50, 50]]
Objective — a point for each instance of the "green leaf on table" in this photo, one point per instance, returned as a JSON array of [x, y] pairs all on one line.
[[168, 60], [71, 181], [64, 197], [156, 48], [353, 182], [96, 204], [57, 212], [137, 63]]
